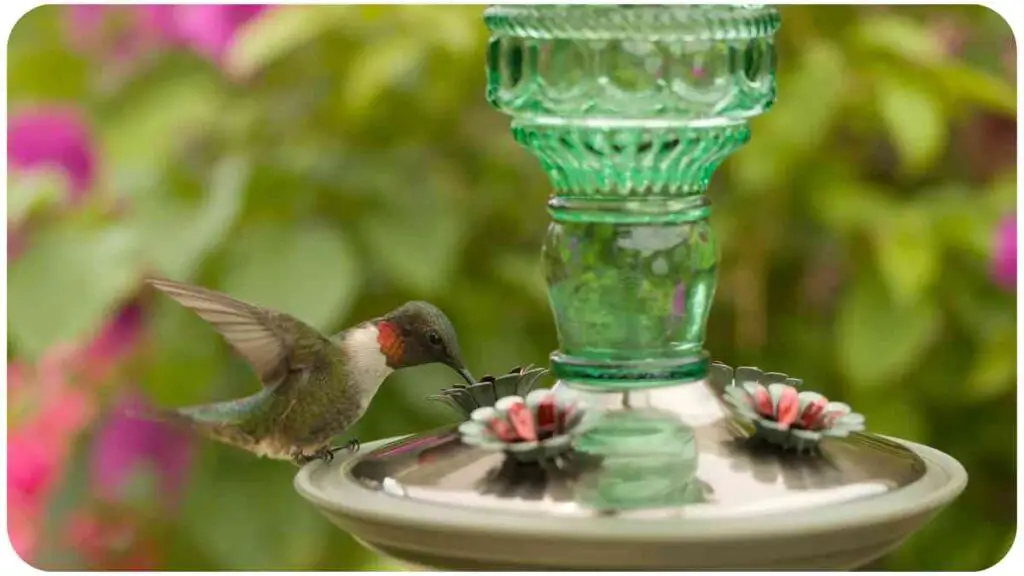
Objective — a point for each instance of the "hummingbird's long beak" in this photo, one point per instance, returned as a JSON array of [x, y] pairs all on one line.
[[464, 372]]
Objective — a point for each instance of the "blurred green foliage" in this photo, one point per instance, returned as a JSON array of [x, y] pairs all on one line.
[[348, 162]]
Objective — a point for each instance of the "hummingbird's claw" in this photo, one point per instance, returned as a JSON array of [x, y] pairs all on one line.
[[352, 446], [326, 454]]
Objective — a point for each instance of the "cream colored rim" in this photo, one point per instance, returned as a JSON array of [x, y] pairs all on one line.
[[944, 479]]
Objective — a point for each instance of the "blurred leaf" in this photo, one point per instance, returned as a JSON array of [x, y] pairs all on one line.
[[908, 254], [523, 273], [145, 134], [892, 413], [454, 27], [975, 86], [981, 308], [33, 191], [960, 220], [995, 367], [378, 67], [308, 270], [177, 234], [1004, 190], [879, 340], [915, 121], [278, 32], [901, 36], [418, 250], [245, 514], [36, 50], [68, 282], [813, 92], [848, 205]]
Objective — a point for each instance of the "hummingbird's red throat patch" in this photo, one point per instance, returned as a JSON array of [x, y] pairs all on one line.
[[390, 342]]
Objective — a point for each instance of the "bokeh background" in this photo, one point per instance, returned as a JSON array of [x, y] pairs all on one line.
[[333, 162]]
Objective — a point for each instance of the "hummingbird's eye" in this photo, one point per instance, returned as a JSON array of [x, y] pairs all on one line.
[[434, 338]]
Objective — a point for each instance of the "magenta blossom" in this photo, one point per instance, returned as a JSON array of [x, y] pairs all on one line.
[[47, 410], [1004, 263], [108, 538], [49, 138], [115, 34], [53, 137], [209, 29], [124, 34], [127, 444], [116, 340]]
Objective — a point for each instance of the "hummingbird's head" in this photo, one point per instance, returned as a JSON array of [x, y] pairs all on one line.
[[418, 333]]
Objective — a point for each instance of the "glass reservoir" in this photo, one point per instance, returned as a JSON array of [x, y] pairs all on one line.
[[630, 109]]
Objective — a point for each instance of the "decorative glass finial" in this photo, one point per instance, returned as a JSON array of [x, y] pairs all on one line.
[[630, 109]]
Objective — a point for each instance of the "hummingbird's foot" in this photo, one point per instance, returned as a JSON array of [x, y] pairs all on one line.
[[325, 454], [352, 446]]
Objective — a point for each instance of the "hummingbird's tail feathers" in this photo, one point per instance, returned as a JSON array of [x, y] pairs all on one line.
[[167, 416], [213, 421], [225, 422], [228, 412]]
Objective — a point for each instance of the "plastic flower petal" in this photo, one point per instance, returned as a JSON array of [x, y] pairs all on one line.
[[778, 412], [539, 427]]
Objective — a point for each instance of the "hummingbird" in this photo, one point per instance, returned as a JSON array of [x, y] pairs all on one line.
[[314, 386]]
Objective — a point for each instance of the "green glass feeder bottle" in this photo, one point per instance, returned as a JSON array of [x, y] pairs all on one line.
[[630, 109]]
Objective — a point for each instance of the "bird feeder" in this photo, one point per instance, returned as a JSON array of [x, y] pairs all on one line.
[[682, 464]]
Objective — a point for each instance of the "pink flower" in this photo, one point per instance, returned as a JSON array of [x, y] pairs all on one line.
[[114, 342], [120, 34], [126, 443], [1004, 263], [49, 138], [112, 539], [49, 405], [208, 29], [53, 137], [30, 470], [51, 411], [124, 34]]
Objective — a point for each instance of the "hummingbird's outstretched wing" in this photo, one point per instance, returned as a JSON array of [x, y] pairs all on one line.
[[274, 343]]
